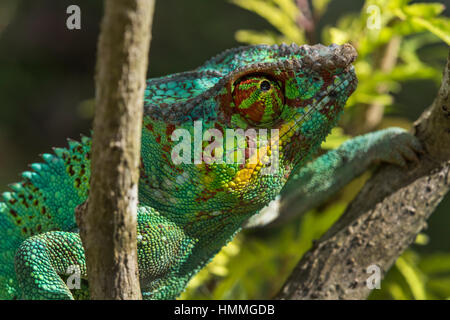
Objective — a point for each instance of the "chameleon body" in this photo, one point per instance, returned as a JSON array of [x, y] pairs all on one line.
[[189, 209]]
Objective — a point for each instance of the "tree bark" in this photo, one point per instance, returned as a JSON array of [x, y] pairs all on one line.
[[109, 223], [384, 218]]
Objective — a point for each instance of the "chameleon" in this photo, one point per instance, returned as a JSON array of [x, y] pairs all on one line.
[[189, 209]]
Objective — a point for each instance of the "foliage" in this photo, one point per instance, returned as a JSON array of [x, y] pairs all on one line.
[[417, 276], [396, 19], [257, 269]]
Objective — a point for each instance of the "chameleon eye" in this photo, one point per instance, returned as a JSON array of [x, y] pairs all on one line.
[[265, 85], [258, 99]]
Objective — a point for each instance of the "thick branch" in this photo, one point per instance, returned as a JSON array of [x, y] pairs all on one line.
[[383, 220], [108, 228]]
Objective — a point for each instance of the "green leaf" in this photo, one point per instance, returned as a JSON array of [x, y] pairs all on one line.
[[256, 37], [397, 292], [395, 4], [422, 239], [288, 7], [435, 263], [424, 10], [438, 26], [412, 277], [338, 36], [283, 21], [440, 286], [320, 6]]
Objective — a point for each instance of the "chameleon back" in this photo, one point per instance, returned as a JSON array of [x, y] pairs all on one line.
[[44, 201]]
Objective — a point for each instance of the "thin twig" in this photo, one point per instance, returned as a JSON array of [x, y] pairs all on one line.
[[306, 21]]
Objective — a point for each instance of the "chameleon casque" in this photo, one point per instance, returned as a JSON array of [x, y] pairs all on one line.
[[187, 212]]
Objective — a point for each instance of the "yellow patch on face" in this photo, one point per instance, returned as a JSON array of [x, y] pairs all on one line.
[[254, 164], [247, 174]]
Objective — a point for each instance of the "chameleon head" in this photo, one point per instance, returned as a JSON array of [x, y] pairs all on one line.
[[267, 107]]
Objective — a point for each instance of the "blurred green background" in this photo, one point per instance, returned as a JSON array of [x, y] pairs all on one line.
[[47, 90]]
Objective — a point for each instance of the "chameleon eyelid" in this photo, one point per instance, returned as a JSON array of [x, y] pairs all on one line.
[[268, 77]]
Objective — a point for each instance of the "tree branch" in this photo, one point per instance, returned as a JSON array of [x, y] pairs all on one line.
[[306, 20], [372, 114], [383, 220], [108, 225]]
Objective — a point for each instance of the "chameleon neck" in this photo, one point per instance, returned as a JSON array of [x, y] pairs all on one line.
[[210, 236]]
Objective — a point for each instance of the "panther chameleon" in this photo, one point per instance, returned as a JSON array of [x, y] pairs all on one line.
[[189, 210]]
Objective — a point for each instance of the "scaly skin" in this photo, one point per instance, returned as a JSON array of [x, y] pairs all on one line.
[[188, 211]]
